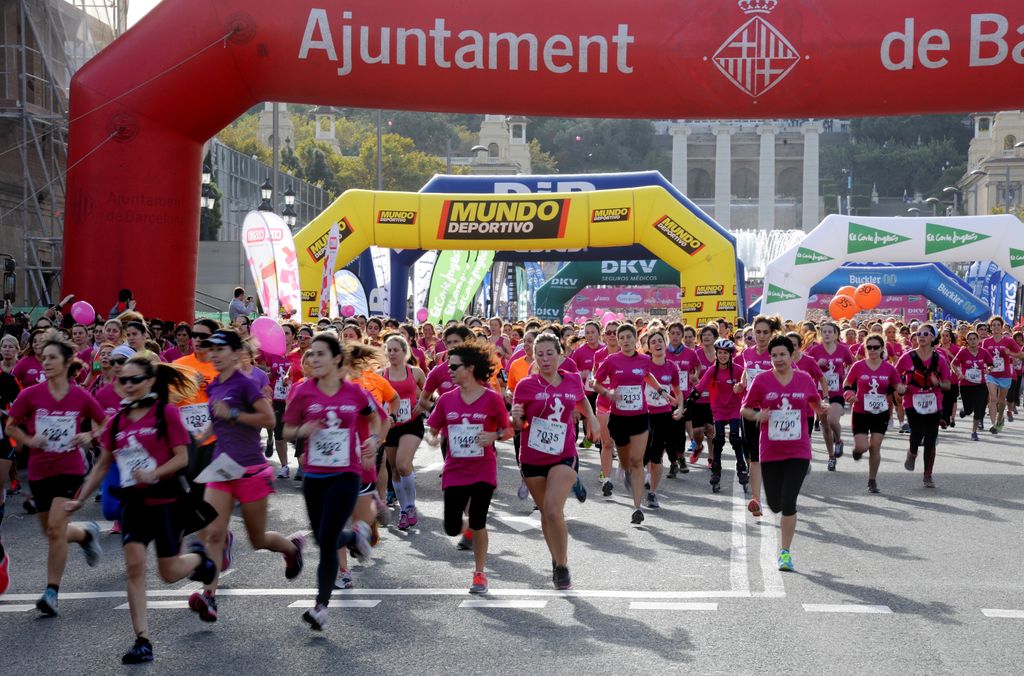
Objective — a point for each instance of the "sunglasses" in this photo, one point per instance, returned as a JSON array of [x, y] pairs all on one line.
[[134, 380], [119, 361], [454, 367], [873, 347], [201, 335], [924, 334]]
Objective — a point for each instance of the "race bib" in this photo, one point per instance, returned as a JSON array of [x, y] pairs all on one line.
[[973, 375], [196, 418], [586, 376], [752, 373], [404, 414], [631, 398], [281, 389], [832, 378], [876, 403], [330, 448], [684, 381], [654, 397], [925, 403], [785, 425], [547, 436], [130, 459], [464, 441], [998, 364], [58, 430]]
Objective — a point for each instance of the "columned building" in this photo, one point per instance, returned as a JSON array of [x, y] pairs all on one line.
[[995, 164], [752, 174]]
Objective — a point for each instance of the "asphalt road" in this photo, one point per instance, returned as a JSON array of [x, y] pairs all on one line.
[[911, 580]]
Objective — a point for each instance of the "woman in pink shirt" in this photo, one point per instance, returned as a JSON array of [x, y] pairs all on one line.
[[664, 407], [405, 436], [778, 401], [868, 387], [472, 418], [699, 412], [970, 365], [926, 375], [949, 348], [833, 358], [724, 384], [1004, 350], [755, 360], [543, 409]]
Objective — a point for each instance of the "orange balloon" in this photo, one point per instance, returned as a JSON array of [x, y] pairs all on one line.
[[842, 307], [846, 291], [868, 296]]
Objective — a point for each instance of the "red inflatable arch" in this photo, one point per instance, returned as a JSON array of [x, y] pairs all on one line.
[[141, 110]]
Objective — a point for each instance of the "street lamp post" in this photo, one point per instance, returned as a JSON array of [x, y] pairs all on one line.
[[977, 173], [288, 214], [266, 194], [951, 190], [934, 201], [914, 211]]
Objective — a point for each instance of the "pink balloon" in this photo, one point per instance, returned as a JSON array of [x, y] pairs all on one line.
[[608, 317], [83, 313], [566, 319], [348, 311], [620, 316], [269, 335], [422, 314]]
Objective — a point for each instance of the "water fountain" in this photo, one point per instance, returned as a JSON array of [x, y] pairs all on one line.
[[756, 248]]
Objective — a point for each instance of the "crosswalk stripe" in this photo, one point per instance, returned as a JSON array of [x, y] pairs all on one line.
[[846, 608]]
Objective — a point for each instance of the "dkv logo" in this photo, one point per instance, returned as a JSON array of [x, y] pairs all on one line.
[[630, 267]]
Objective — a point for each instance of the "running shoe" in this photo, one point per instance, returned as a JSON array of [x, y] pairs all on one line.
[[403, 521], [695, 455], [962, 413], [229, 545], [561, 578], [383, 513], [47, 603], [873, 486], [994, 430], [743, 476], [360, 546], [652, 501], [831, 464], [673, 469], [203, 604], [952, 424], [943, 423], [857, 455], [838, 448], [5, 573], [139, 653], [638, 517], [817, 425], [785, 560], [206, 571], [647, 480], [523, 490], [974, 436], [466, 542], [344, 580], [316, 617], [268, 449], [391, 499], [284, 472], [754, 507], [293, 562], [606, 488], [683, 469], [479, 585], [692, 447], [115, 528], [1009, 416], [413, 517], [601, 477], [905, 428], [999, 426], [14, 488], [579, 490], [928, 483], [374, 534], [29, 506], [91, 547], [909, 463]]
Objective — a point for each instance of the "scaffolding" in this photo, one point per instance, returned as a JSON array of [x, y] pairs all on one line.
[[42, 44]]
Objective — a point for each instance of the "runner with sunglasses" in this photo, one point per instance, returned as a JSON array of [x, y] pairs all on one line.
[[926, 375], [110, 398], [971, 365], [147, 441], [665, 407], [471, 418], [685, 360], [869, 387], [239, 410], [49, 419], [194, 410]]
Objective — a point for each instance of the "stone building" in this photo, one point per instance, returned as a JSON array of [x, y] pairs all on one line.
[[995, 163]]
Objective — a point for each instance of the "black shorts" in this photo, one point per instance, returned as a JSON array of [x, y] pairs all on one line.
[[6, 449], [870, 423], [279, 406], [622, 428], [534, 471], [699, 414], [658, 440], [837, 399], [44, 491], [477, 496], [751, 440], [413, 427], [368, 488], [159, 524]]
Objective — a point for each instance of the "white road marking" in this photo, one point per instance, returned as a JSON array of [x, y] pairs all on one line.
[[487, 603], [158, 605], [662, 605], [846, 608], [1005, 614], [521, 524], [16, 608], [348, 603], [739, 579]]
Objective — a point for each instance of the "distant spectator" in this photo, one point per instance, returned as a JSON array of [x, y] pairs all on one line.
[[125, 302], [239, 306]]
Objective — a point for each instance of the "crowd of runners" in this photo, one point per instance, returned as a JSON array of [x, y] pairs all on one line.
[[172, 425]]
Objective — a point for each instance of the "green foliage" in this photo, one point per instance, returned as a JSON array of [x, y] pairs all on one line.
[[542, 162], [404, 167], [596, 145]]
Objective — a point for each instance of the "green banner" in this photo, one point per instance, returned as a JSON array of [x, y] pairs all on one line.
[[456, 278], [552, 296]]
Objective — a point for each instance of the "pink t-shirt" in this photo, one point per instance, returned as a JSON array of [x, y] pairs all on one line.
[[439, 380], [754, 362], [627, 376], [718, 382], [667, 375], [171, 353], [142, 434], [335, 448], [972, 367], [1000, 350], [553, 407], [37, 411], [704, 362], [835, 365], [29, 371], [685, 360], [278, 367], [810, 367], [110, 400], [587, 359], [784, 435], [369, 476], [917, 384], [467, 462], [872, 386]]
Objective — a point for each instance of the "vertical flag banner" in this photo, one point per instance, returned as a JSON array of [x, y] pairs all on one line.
[[259, 252], [421, 274], [523, 297], [478, 264], [289, 289], [348, 290], [330, 258], [380, 295]]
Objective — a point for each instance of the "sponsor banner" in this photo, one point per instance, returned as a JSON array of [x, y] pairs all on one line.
[[865, 238], [942, 238], [678, 235], [349, 291], [318, 248], [396, 217], [805, 256], [259, 253], [638, 299], [613, 215], [330, 257], [692, 306], [708, 290], [286, 263], [380, 295], [528, 218]]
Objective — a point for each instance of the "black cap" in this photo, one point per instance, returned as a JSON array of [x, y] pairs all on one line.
[[227, 337]]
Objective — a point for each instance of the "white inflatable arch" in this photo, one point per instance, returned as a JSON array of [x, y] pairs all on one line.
[[839, 239]]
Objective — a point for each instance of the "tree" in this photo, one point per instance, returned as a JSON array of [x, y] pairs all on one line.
[[542, 162], [404, 167]]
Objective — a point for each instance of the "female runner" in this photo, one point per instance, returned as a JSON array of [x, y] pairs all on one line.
[[972, 364], [724, 384], [926, 374], [833, 359], [664, 407], [404, 437], [1003, 349], [755, 360], [699, 412]]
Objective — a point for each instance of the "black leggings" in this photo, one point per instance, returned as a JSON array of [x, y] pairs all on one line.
[[782, 481], [719, 443], [1013, 395], [477, 495], [975, 400], [948, 400], [924, 431], [658, 439], [329, 503], [752, 440]]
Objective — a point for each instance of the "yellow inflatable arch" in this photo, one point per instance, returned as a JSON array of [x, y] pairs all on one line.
[[648, 216]]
